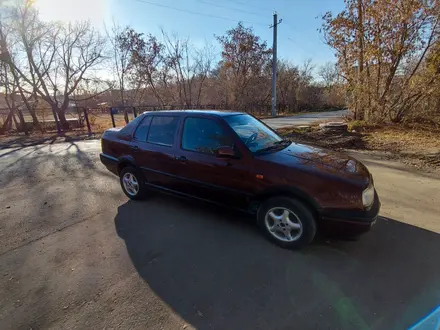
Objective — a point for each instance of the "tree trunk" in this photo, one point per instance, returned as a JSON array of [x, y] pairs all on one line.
[[35, 120], [17, 124], [8, 122], [63, 121], [22, 122], [55, 116]]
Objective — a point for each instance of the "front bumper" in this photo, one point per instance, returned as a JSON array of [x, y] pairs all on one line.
[[351, 222], [110, 162]]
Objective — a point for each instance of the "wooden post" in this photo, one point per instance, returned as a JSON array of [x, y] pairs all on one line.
[[112, 116], [22, 122], [134, 112], [79, 118], [86, 116], [126, 116]]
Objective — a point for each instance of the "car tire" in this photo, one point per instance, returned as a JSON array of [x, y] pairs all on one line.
[[287, 222], [132, 183]]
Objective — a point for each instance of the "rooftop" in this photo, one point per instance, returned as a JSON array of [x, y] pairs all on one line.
[[221, 113]]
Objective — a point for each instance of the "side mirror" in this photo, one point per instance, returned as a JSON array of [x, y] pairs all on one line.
[[226, 152]]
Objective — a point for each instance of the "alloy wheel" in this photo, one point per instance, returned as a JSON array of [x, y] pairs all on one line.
[[283, 224], [131, 184]]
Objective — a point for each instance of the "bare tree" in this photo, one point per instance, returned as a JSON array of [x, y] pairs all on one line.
[[189, 67], [305, 78], [382, 48], [244, 63], [121, 58], [145, 68], [328, 72], [89, 91], [204, 59], [7, 80], [14, 87], [9, 87], [51, 59], [287, 84]]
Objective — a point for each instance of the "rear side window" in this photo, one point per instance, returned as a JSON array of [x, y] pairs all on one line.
[[204, 136], [162, 130], [128, 129], [142, 130]]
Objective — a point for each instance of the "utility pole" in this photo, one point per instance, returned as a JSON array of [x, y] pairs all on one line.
[[360, 110], [274, 63]]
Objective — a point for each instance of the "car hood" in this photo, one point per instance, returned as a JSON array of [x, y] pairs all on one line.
[[318, 159]]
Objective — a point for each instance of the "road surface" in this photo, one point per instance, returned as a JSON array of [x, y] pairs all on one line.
[[306, 119], [76, 254]]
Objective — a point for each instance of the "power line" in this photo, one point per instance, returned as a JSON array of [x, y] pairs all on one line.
[[200, 14], [241, 3], [291, 26], [230, 8], [312, 53], [294, 30]]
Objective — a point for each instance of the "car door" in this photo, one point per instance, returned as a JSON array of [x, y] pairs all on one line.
[[154, 148], [205, 175]]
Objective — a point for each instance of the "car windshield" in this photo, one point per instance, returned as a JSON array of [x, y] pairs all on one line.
[[254, 134]]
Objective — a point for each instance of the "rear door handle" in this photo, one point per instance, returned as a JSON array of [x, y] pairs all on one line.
[[182, 159]]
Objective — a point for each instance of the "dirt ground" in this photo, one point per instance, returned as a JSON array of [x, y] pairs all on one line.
[[75, 254], [419, 148]]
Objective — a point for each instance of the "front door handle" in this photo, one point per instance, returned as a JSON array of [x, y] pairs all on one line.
[[135, 148], [182, 159]]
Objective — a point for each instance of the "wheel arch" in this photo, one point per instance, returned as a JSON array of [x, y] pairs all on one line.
[[284, 191], [125, 161]]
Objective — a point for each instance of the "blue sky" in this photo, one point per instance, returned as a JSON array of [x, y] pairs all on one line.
[[298, 38]]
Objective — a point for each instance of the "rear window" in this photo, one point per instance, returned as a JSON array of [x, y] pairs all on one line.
[[163, 130], [142, 130], [129, 128]]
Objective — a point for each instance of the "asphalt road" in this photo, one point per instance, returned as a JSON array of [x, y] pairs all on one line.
[[75, 254], [306, 119]]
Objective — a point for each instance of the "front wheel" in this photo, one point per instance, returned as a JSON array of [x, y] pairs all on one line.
[[131, 183], [287, 222]]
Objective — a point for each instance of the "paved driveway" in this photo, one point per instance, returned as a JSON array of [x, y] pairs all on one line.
[[306, 119], [75, 254]]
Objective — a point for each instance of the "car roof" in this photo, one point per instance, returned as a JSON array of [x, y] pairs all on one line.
[[220, 113]]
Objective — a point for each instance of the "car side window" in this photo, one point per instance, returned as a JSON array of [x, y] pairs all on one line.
[[129, 128], [162, 130], [204, 136], [142, 130]]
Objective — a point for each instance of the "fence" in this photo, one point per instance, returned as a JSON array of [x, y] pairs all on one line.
[[77, 119], [96, 120]]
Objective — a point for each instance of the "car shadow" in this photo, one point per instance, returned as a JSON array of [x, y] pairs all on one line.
[[214, 269]]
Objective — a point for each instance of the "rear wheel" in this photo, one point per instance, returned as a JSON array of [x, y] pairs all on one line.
[[287, 222], [131, 183]]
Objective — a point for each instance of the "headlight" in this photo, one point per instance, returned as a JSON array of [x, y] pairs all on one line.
[[368, 196]]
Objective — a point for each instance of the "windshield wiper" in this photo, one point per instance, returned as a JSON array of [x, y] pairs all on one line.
[[283, 142], [275, 146]]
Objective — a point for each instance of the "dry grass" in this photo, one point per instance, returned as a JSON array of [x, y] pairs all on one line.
[[403, 139], [385, 138], [417, 146], [101, 122]]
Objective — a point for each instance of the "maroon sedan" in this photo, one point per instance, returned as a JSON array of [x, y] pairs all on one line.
[[235, 160]]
